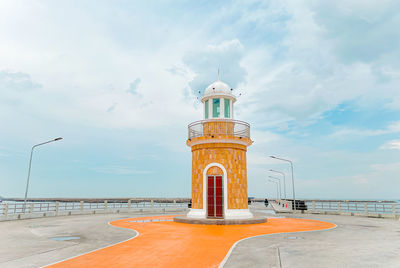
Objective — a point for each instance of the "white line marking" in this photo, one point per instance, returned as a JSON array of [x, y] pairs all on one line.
[[221, 265], [137, 234]]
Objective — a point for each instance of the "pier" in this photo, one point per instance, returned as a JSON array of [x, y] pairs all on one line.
[[79, 236]]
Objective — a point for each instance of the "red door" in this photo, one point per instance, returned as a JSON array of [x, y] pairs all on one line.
[[215, 197]]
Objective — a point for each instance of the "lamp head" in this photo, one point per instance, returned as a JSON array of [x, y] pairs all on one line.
[[57, 139]]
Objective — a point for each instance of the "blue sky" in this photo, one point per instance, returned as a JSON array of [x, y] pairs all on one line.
[[319, 84]]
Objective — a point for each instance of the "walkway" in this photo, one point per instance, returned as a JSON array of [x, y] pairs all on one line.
[[163, 243]]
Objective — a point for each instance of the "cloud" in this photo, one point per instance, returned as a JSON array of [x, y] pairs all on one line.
[[391, 145], [393, 127], [360, 30], [386, 167], [309, 73], [360, 180], [103, 74], [205, 63]]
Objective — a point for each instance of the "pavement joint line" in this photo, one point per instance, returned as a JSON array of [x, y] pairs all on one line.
[[109, 223], [42, 252], [279, 257], [221, 265], [84, 253]]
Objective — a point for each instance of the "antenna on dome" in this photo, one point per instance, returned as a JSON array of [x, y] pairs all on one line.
[[218, 74]]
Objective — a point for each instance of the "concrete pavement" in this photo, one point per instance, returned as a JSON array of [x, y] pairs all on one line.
[[356, 242], [27, 243]]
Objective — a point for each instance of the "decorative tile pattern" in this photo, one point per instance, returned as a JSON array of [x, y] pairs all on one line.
[[233, 157]]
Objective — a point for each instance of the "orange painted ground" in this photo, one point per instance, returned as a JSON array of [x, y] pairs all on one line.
[[171, 244]]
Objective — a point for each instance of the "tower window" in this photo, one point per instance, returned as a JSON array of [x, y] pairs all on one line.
[[216, 108], [227, 108], [206, 108]]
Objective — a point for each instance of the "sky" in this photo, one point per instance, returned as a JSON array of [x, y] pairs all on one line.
[[319, 82]]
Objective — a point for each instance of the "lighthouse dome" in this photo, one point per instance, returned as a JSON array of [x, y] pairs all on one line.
[[218, 87], [218, 101]]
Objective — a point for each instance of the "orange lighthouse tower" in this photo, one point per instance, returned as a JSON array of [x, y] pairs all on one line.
[[219, 170]]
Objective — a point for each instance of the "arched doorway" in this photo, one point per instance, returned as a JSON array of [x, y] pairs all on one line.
[[215, 193]]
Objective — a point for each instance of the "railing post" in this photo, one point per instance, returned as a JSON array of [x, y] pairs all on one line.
[[313, 205], [31, 207], [81, 205], [129, 204], [5, 209], [394, 210], [290, 205], [366, 208], [339, 207], [152, 203], [105, 204], [57, 207], [175, 203]]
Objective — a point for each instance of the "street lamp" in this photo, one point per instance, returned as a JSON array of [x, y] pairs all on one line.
[[276, 188], [284, 180], [280, 191], [291, 166], [30, 163]]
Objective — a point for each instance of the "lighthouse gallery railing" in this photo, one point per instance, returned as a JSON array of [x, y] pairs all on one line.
[[215, 127]]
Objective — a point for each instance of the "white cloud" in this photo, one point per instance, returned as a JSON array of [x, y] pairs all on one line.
[[391, 145], [292, 61], [387, 167], [204, 64], [359, 179], [346, 132]]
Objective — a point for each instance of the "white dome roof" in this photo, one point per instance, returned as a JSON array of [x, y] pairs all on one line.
[[218, 88]]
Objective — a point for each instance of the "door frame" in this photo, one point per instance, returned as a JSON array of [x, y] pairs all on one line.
[[224, 182], [215, 198]]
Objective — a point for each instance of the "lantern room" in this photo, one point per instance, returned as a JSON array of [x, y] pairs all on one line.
[[218, 101]]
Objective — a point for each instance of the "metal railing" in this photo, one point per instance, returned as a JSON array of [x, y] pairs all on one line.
[[215, 127], [355, 207], [12, 208], [370, 208]]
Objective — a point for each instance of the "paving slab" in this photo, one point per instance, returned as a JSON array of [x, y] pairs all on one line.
[[356, 242]]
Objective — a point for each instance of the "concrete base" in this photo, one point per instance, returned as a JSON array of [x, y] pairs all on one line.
[[254, 220], [234, 214]]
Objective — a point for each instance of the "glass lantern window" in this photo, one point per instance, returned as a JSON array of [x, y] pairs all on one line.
[[216, 108], [206, 108], [227, 108]]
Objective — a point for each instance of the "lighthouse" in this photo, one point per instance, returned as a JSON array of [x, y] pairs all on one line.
[[219, 170]]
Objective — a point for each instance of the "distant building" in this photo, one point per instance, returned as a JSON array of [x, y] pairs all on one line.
[[219, 170]]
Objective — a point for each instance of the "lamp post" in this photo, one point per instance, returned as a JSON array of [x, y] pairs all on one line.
[[291, 166], [280, 191], [276, 188], [284, 180], [30, 163]]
